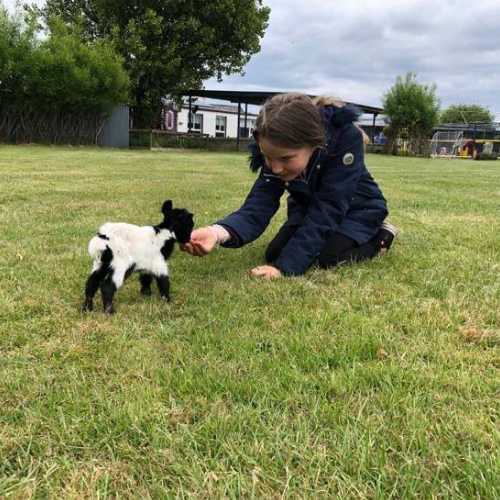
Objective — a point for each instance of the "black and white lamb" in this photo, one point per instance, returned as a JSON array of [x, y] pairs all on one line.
[[118, 249]]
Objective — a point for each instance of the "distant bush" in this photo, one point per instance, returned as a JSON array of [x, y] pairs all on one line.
[[59, 74], [487, 156], [406, 152]]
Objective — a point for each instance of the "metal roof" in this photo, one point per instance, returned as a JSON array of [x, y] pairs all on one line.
[[227, 108], [258, 98]]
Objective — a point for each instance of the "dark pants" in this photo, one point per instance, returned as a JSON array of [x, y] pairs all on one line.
[[338, 248]]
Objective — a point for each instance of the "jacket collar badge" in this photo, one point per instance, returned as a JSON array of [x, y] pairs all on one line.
[[348, 159]]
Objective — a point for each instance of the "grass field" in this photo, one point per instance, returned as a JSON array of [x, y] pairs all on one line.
[[376, 381]]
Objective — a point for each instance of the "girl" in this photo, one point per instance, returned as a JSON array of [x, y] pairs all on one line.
[[313, 150]]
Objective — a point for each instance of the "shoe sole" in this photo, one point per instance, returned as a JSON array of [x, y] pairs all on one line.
[[391, 228]]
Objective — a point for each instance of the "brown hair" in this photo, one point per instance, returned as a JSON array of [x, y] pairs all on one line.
[[291, 121], [327, 100]]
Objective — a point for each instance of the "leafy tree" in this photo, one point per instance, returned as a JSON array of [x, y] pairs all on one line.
[[466, 113], [76, 77], [56, 88], [59, 73], [412, 107], [17, 43], [169, 46]]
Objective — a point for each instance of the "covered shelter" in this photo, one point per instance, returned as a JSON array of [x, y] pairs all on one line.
[[257, 98]]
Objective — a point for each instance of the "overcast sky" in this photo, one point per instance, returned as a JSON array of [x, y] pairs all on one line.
[[355, 49]]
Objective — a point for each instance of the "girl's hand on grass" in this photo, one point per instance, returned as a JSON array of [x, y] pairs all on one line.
[[202, 242], [266, 272]]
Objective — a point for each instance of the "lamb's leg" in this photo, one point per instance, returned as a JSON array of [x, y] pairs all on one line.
[[94, 280], [108, 290], [164, 286], [114, 280], [146, 280]]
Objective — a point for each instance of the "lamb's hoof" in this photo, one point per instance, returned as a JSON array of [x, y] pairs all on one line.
[[146, 292], [87, 306], [109, 310], [165, 299]]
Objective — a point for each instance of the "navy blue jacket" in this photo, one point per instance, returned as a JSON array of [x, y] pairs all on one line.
[[338, 194]]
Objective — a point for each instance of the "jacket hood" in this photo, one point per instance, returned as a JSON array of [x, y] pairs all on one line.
[[338, 116]]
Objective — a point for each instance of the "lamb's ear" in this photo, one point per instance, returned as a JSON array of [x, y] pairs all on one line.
[[167, 207]]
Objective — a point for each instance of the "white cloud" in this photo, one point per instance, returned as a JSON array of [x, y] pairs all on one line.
[[355, 49]]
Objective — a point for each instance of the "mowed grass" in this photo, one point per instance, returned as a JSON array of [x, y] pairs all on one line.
[[374, 381]]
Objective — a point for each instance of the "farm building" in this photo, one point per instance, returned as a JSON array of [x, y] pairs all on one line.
[[213, 120], [233, 120]]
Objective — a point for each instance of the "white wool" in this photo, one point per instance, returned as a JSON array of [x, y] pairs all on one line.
[[131, 246]]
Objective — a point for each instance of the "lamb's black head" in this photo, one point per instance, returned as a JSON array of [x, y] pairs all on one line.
[[177, 220]]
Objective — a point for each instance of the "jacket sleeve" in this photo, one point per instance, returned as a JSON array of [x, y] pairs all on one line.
[[328, 205], [251, 220]]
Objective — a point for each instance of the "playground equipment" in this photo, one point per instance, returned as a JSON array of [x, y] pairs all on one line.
[[466, 140]]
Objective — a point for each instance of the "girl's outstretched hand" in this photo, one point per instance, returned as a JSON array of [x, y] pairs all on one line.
[[266, 272], [202, 242]]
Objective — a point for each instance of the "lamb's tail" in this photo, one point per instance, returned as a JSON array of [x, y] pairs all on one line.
[[99, 249]]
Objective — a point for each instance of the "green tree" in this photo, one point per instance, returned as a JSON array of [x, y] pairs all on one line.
[[58, 73], [466, 113], [17, 43], [169, 46], [66, 74], [55, 89], [414, 108]]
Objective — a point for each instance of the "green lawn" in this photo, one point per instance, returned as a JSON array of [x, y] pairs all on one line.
[[376, 381]]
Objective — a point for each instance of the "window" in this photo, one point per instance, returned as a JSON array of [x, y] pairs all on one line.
[[247, 131], [197, 122], [220, 126]]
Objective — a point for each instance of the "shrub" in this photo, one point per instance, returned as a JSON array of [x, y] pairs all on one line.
[[59, 74]]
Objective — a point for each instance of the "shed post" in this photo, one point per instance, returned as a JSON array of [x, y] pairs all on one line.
[[190, 114], [238, 126], [373, 131]]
